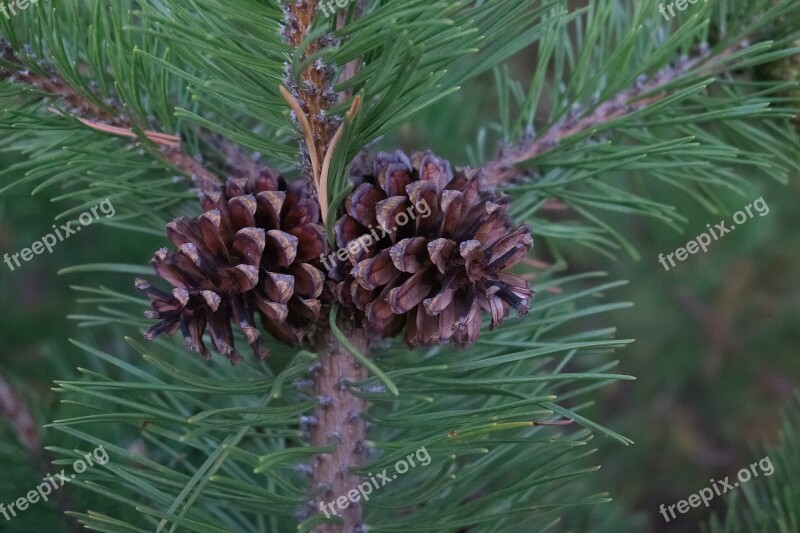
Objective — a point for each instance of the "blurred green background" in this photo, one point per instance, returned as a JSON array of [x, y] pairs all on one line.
[[34, 337], [715, 355]]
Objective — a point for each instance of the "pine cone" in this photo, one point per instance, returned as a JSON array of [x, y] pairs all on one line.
[[426, 249], [255, 248]]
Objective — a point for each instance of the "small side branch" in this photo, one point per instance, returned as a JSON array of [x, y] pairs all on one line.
[[645, 93], [107, 119]]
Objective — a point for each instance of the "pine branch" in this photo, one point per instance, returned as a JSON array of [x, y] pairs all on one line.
[[230, 437], [340, 422], [645, 93], [339, 419], [104, 118], [313, 89]]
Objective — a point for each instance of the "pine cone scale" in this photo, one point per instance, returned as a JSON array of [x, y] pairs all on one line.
[[410, 255], [281, 247], [249, 244], [408, 295]]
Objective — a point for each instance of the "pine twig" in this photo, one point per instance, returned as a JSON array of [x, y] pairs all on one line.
[[645, 93], [107, 119], [313, 91]]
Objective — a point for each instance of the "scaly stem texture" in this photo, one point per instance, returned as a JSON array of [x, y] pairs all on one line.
[[314, 89], [339, 423]]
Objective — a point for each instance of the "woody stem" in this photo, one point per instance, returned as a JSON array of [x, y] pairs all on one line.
[[341, 425]]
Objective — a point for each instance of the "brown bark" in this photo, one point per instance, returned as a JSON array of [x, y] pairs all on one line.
[[339, 422]]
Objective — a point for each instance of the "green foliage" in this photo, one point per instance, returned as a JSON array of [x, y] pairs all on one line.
[[702, 139], [86, 44], [232, 440]]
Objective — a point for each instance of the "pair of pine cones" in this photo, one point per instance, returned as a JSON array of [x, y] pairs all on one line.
[[421, 249]]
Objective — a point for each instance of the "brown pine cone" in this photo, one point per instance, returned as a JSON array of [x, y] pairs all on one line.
[[255, 248], [426, 249]]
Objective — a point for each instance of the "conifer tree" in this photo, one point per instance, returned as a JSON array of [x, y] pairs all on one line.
[[408, 308]]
